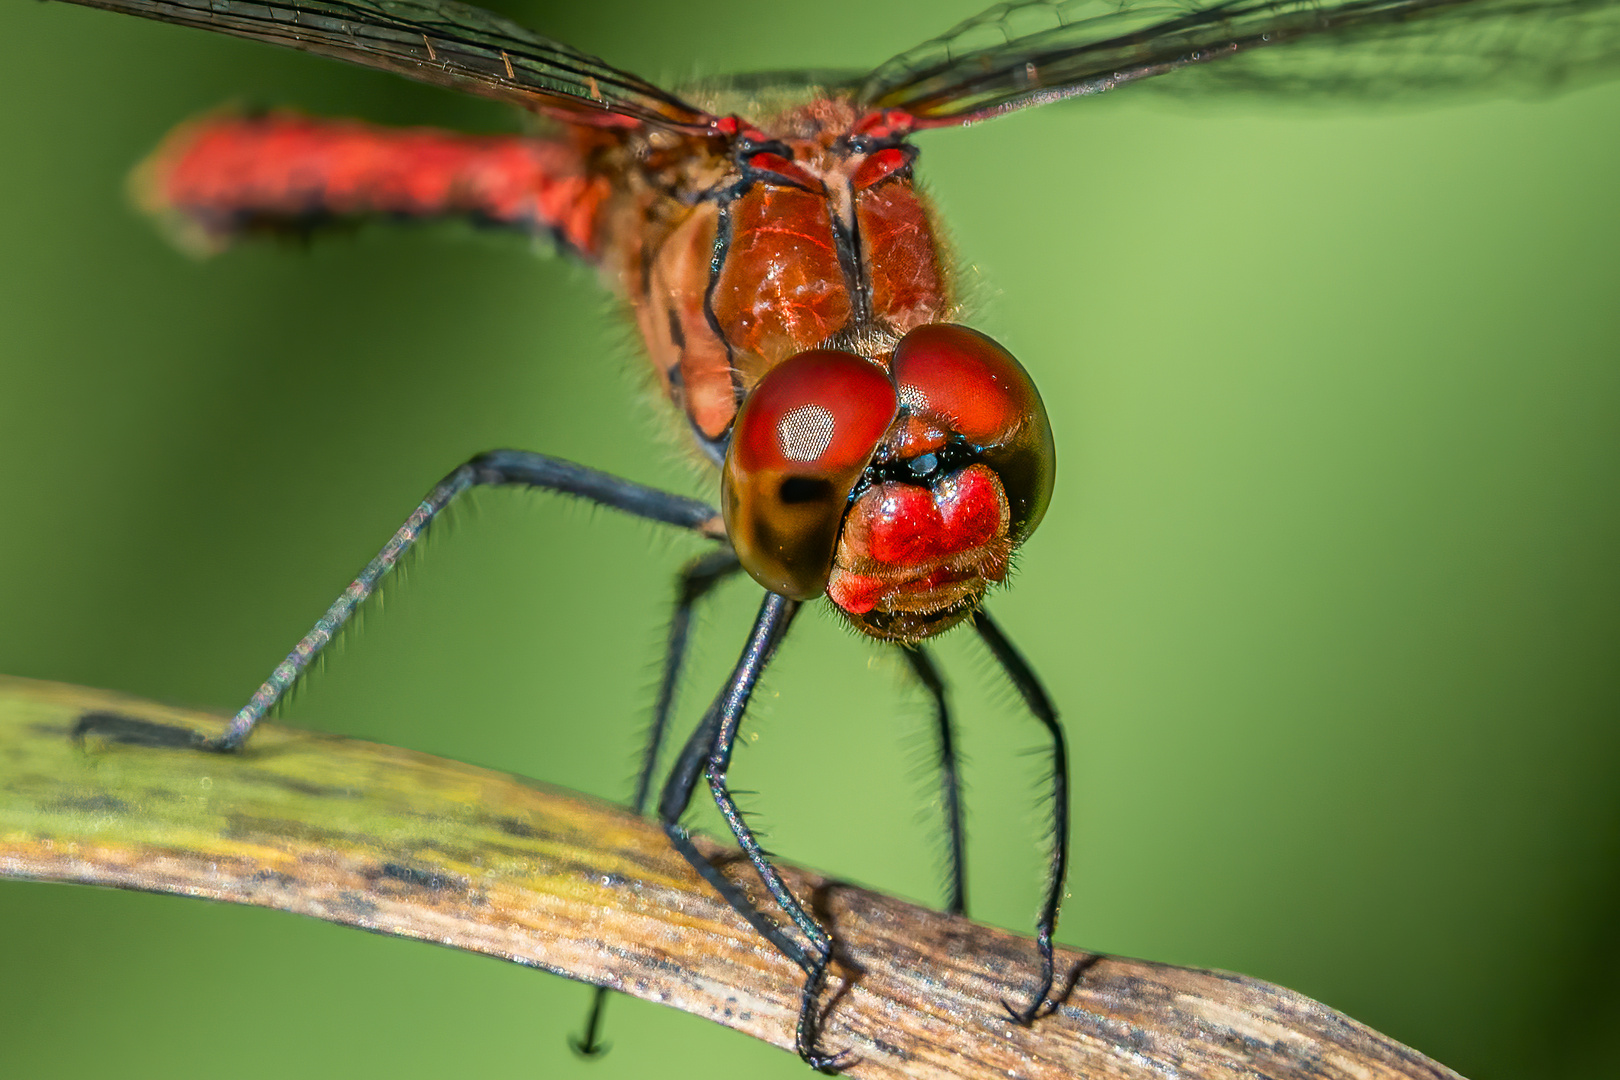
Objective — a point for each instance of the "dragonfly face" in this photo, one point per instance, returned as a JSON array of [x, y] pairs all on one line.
[[900, 489]]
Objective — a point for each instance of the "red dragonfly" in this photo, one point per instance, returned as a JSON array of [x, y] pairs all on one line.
[[792, 297]]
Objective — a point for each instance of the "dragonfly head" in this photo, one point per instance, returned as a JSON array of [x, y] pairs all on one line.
[[900, 492]]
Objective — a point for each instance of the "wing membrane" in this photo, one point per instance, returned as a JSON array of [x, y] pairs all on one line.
[[440, 42], [1029, 52]]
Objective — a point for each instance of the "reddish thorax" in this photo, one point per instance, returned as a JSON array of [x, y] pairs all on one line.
[[734, 262]]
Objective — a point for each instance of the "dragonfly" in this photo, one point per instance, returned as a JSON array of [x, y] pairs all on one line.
[[791, 297]]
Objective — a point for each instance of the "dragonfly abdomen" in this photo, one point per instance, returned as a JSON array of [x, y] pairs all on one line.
[[224, 175]]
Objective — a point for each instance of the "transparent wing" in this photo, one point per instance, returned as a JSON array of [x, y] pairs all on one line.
[[1029, 52], [440, 42]]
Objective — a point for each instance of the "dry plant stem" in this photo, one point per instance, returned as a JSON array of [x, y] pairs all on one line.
[[404, 843]]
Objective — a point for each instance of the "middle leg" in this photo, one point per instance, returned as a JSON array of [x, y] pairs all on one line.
[[708, 753]]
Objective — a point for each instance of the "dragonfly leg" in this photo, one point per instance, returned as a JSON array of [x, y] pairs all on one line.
[[922, 665], [496, 468], [682, 782], [696, 579], [708, 753], [1029, 688]]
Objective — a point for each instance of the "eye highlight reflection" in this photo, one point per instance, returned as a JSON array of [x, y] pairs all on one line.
[[805, 433]]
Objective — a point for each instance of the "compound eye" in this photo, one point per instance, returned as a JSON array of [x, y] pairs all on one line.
[[964, 383], [800, 442]]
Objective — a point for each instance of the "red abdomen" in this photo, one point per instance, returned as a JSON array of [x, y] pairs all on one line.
[[220, 176]]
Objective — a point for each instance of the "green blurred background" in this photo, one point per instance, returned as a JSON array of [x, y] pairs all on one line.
[[1328, 595]]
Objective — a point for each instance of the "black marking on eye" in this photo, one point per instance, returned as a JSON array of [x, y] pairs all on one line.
[[797, 490]]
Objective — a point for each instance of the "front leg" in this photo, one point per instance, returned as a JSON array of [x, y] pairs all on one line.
[[708, 754], [496, 468]]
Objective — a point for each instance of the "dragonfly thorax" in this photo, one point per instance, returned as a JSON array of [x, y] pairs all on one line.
[[739, 253]]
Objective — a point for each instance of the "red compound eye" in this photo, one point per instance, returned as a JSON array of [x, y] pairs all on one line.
[[962, 382], [799, 444]]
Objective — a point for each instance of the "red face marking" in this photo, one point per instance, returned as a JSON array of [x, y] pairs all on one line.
[[856, 593], [912, 550], [907, 524], [903, 527]]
